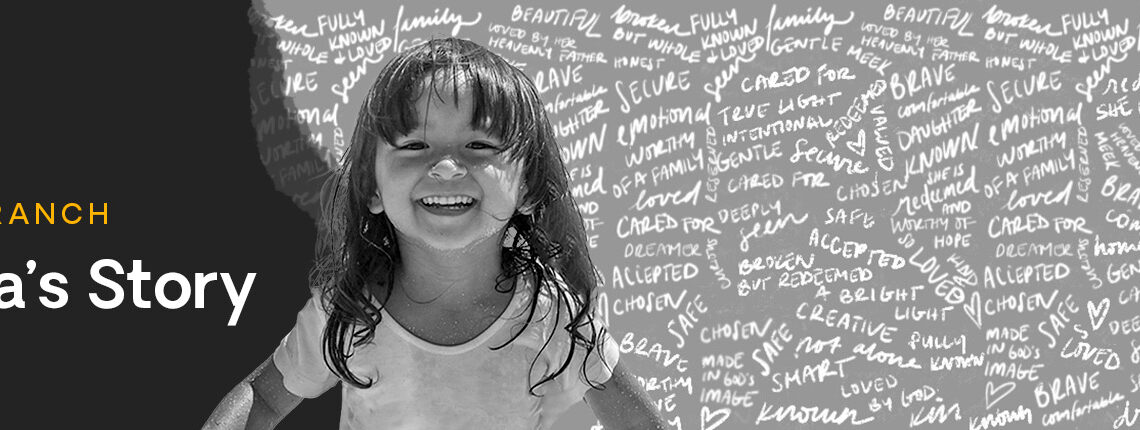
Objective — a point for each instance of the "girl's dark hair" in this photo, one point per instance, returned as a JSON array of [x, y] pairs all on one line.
[[358, 254]]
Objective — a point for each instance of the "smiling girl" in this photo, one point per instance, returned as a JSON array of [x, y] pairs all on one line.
[[455, 289]]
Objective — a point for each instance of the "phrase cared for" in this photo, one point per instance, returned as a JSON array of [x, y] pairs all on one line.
[[171, 290]]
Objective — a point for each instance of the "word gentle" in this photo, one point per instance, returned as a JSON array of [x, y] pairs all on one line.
[[55, 296]]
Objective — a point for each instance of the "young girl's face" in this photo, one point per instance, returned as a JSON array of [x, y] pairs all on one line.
[[445, 185]]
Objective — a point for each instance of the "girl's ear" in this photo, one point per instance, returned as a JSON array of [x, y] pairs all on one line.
[[376, 205]]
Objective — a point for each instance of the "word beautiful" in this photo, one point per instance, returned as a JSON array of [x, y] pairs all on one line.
[[55, 296], [47, 213]]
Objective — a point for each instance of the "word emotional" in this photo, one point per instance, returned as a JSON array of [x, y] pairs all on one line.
[[12, 288]]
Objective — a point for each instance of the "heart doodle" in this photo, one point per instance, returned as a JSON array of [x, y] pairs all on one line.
[[973, 309], [1098, 314], [720, 415], [995, 395]]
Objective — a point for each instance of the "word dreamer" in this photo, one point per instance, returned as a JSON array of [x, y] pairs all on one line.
[[171, 290]]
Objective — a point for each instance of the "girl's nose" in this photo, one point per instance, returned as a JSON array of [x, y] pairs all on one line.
[[447, 169]]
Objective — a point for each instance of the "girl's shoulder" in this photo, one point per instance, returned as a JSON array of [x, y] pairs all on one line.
[[553, 292], [555, 306]]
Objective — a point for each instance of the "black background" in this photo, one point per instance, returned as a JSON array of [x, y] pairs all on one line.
[[145, 108]]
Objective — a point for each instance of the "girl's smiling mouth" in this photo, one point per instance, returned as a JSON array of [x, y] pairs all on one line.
[[447, 206]]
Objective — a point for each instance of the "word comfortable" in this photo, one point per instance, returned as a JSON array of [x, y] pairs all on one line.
[[171, 290]]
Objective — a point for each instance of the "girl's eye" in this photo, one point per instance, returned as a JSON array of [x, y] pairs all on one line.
[[413, 146], [482, 145]]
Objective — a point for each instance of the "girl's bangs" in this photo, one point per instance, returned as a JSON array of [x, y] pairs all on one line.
[[504, 103]]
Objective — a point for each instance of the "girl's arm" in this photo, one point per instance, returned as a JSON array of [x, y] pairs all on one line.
[[624, 404], [259, 401]]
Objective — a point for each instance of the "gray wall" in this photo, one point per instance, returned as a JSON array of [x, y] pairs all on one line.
[[808, 212]]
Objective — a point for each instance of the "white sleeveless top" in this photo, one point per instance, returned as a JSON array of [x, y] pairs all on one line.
[[420, 385]]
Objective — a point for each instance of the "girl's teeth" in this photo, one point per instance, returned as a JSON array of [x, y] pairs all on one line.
[[447, 201]]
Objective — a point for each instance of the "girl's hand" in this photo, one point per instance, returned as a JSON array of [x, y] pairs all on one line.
[[624, 404]]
